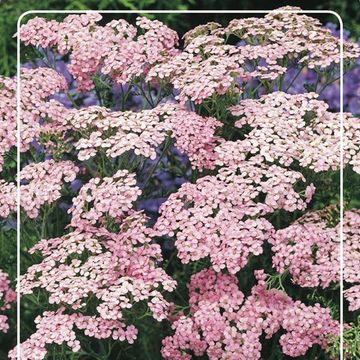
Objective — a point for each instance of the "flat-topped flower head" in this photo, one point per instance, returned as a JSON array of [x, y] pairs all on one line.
[[122, 266], [208, 65], [301, 334], [7, 297], [197, 79], [218, 216], [352, 295], [110, 196], [351, 232], [119, 131], [295, 34], [43, 183], [59, 328], [310, 252], [7, 116], [113, 49], [195, 136], [224, 324], [118, 270], [38, 114], [289, 128], [8, 195]]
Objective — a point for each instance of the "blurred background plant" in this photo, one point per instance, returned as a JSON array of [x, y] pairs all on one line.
[[10, 10]]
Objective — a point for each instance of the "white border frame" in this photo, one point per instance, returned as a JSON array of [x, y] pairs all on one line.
[[140, 12]]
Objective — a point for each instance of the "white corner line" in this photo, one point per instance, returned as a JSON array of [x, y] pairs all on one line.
[[341, 187], [18, 218]]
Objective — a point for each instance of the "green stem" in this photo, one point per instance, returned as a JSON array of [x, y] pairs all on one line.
[[149, 91], [122, 98], [329, 83], [158, 98], [281, 82], [98, 96], [293, 80], [44, 222], [166, 146], [317, 81], [52, 66], [69, 96], [172, 256], [145, 97]]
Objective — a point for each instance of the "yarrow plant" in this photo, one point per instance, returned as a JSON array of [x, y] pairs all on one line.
[[178, 197], [7, 296]]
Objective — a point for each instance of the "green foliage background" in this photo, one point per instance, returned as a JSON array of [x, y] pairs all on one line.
[[10, 10]]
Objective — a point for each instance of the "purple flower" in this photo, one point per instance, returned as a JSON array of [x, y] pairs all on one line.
[[151, 205], [76, 185]]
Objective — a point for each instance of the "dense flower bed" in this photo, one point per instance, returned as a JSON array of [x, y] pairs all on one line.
[[182, 193]]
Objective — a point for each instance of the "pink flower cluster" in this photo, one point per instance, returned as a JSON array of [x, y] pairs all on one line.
[[118, 132], [208, 65], [8, 202], [44, 182], [7, 296], [293, 34], [309, 251], [100, 198], [288, 127], [196, 78], [195, 136], [86, 43], [218, 215], [351, 141], [38, 115], [224, 324], [351, 231], [119, 269], [131, 58], [113, 49], [77, 34], [39, 32], [307, 326], [57, 327], [352, 295], [8, 116]]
